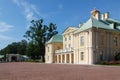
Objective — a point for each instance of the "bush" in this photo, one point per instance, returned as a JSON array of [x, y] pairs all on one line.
[[117, 57]]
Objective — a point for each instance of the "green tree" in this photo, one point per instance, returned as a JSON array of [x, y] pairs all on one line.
[[32, 50], [38, 34], [51, 30], [12, 48], [15, 48], [22, 47]]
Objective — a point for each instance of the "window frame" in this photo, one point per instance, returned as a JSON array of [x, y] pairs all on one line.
[[116, 41], [65, 38], [82, 41], [69, 37], [48, 49], [82, 56]]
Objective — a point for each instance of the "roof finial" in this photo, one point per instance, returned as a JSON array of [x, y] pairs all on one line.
[[94, 10], [95, 13]]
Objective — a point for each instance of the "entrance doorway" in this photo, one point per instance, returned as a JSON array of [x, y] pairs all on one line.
[[14, 58]]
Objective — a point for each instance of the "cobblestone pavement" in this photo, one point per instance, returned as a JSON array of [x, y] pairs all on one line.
[[37, 71]]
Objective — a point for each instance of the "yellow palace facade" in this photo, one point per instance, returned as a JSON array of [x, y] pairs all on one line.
[[96, 40]]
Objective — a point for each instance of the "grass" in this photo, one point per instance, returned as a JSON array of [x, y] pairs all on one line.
[[111, 63], [37, 60], [114, 64]]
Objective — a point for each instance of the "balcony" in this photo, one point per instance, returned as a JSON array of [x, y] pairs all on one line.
[[64, 50]]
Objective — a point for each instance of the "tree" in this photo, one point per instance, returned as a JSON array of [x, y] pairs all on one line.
[[32, 51], [51, 30], [22, 47], [12, 48], [15, 48], [38, 34]]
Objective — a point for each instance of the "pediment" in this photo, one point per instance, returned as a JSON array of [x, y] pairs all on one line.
[[69, 30]]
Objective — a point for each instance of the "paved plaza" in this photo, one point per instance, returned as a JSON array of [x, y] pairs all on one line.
[[37, 71]]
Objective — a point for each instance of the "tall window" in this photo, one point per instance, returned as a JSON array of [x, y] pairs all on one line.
[[48, 58], [102, 40], [82, 40], [65, 46], [82, 55], [65, 39], [116, 41], [69, 37], [48, 49], [69, 45], [101, 56]]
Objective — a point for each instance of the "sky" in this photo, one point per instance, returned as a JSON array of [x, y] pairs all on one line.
[[15, 15]]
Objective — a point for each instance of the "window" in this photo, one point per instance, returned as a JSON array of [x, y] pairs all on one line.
[[69, 45], [69, 37], [115, 25], [48, 58], [65, 39], [101, 56], [82, 55], [102, 40], [48, 49], [116, 41], [65, 46], [81, 40]]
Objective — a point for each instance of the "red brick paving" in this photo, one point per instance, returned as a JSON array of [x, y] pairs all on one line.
[[37, 71]]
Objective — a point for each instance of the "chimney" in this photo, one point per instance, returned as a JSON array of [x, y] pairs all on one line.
[[80, 25], [95, 14], [105, 16]]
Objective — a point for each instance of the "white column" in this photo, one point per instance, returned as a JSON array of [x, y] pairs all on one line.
[[61, 58], [74, 53], [65, 58]]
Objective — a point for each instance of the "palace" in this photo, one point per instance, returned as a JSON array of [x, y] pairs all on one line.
[[96, 40]]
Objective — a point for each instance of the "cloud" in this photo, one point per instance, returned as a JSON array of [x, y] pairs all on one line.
[[3, 37], [30, 11], [5, 27]]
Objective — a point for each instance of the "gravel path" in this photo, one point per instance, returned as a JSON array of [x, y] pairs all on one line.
[[37, 71]]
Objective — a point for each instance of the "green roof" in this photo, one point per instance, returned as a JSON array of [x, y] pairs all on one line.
[[56, 39], [113, 20], [104, 24]]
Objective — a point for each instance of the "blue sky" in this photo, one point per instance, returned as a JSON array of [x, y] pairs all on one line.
[[15, 15]]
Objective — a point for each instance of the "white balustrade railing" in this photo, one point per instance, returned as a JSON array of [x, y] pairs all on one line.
[[64, 50]]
